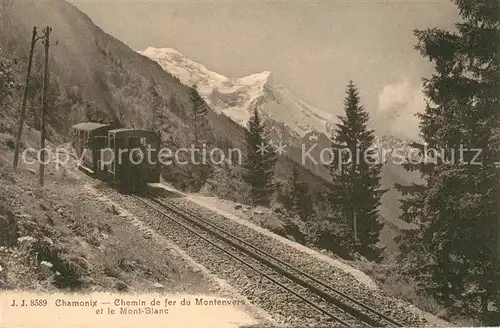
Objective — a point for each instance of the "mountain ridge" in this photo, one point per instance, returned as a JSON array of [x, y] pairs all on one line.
[[238, 97]]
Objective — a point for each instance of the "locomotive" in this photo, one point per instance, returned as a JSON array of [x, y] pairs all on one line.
[[127, 158]]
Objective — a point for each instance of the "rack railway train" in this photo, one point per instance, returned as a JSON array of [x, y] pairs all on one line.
[[127, 158]]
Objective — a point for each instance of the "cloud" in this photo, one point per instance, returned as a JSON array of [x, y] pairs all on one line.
[[397, 105]]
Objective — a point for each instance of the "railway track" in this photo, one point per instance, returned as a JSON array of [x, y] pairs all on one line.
[[332, 304]]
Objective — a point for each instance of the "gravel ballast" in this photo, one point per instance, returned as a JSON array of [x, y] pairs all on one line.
[[286, 309], [323, 271]]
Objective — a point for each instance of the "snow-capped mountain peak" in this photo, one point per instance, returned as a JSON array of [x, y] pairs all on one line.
[[238, 97]]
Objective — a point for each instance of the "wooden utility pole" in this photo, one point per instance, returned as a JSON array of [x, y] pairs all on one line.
[[46, 43], [22, 116]]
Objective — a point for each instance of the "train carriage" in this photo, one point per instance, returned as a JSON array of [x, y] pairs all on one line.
[[124, 157], [135, 155]]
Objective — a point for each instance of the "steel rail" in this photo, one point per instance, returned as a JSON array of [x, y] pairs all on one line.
[[231, 254], [354, 312]]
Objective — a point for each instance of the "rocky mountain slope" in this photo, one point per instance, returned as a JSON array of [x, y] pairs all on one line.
[[238, 97]]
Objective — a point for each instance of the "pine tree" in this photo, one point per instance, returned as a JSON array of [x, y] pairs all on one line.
[[259, 163], [457, 210], [356, 176], [200, 120], [202, 170], [299, 194]]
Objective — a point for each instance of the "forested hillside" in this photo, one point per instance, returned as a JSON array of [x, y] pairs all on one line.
[[94, 76]]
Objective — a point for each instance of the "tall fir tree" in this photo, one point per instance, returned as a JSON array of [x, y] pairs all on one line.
[[200, 121], [355, 170], [300, 198], [259, 163], [202, 170], [457, 210]]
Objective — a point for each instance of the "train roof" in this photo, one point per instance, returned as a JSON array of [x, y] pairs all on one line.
[[130, 130], [89, 126], [119, 130]]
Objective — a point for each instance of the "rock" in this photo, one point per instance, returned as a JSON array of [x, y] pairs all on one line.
[[158, 285], [147, 235], [237, 206], [258, 212]]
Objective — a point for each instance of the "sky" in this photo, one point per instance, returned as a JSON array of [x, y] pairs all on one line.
[[312, 47]]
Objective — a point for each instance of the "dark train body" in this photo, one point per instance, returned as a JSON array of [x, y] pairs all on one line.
[[118, 156]]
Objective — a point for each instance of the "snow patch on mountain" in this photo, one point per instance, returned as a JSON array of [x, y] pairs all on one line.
[[238, 97]]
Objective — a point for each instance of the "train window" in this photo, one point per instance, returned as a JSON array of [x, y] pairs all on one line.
[[143, 141]]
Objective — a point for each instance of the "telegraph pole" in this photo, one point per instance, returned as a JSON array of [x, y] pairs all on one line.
[[25, 96], [46, 43]]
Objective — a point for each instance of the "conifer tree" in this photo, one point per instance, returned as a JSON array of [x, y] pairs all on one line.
[[259, 162], [457, 210], [299, 194], [201, 137], [355, 170], [200, 120]]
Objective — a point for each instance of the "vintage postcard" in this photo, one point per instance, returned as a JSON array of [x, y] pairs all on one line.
[[249, 163]]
